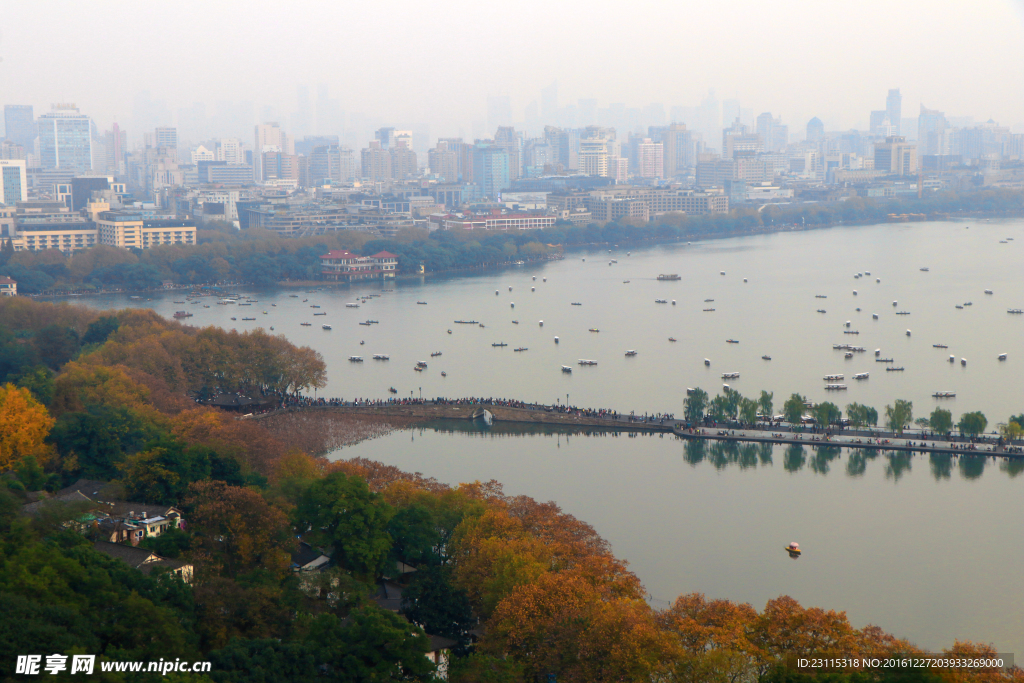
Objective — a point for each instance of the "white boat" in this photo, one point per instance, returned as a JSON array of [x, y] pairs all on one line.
[[556, 340], [855, 292], [355, 359], [326, 327], [878, 352], [874, 316], [952, 359], [707, 362], [908, 333], [832, 378], [1002, 356], [963, 361], [835, 387], [861, 375]]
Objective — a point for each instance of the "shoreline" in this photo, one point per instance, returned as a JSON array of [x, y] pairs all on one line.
[[879, 440], [763, 230]]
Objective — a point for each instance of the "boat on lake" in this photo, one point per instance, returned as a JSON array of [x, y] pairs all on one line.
[[939, 346], [835, 387], [895, 369], [306, 324], [632, 352], [381, 356], [661, 301], [182, 314], [421, 363], [732, 341], [521, 348], [944, 394], [355, 359], [326, 327], [766, 357], [832, 378], [730, 375], [1001, 356], [671, 276], [499, 344], [583, 361], [346, 306], [861, 375], [566, 369]]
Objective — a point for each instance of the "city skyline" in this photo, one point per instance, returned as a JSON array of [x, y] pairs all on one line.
[[942, 56]]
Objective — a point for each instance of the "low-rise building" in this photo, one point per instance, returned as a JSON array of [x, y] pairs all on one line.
[[8, 287], [144, 560], [127, 229], [340, 264], [494, 220]]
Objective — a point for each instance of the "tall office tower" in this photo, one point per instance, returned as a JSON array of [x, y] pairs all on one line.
[[443, 162], [386, 137], [737, 138], [325, 165], [490, 169], [348, 168], [65, 139], [404, 163], [376, 162], [893, 107], [650, 159], [593, 156], [230, 150], [678, 149], [115, 141], [19, 126], [463, 159], [507, 138], [931, 131], [403, 138], [12, 150], [269, 138], [774, 135], [561, 147], [13, 181], [815, 130], [896, 156], [166, 136], [537, 155]]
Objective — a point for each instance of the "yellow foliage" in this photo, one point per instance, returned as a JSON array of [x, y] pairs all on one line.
[[81, 384], [24, 425]]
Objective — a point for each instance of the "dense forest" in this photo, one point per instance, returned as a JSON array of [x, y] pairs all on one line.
[[520, 590], [262, 258]]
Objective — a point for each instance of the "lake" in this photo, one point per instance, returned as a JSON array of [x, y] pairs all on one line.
[[927, 549]]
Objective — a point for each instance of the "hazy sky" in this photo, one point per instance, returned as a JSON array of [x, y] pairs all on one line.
[[406, 63]]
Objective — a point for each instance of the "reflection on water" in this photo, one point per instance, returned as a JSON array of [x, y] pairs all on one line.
[[744, 456]]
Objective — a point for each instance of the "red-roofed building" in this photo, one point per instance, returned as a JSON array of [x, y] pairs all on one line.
[[344, 265]]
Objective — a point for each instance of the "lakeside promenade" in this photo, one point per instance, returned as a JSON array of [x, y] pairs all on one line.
[[776, 433]]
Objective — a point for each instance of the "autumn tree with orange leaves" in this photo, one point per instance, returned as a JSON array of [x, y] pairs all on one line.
[[24, 425]]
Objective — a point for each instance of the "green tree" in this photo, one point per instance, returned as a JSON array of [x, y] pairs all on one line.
[[793, 408], [265, 660], [38, 380], [719, 409], [695, 405], [438, 606], [371, 645], [748, 410], [940, 420], [414, 536], [56, 345], [100, 329], [972, 424], [92, 443], [764, 403], [826, 413], [899, 415], [340, 510]]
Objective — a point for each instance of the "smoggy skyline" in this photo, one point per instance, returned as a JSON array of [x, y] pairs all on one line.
[[432, 68]]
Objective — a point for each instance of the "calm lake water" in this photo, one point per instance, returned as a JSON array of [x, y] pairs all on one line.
[[928, 549]]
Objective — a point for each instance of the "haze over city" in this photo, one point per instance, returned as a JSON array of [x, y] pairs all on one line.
[[214, 69]]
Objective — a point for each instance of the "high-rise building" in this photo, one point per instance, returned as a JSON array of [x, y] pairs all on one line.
[[931, 132], [893, 108], [385, 136], [19, 126], [443, 162], [325, 165], [738, 138], [593, 155], [463, 159], [13, 181], [65, 139], [774, 135], [490, 169], [404, 163], [230, 150], [650, 159], [115, 142], [165, 136], [815, 130], [376, 162], [896, 156], [269, 138], [507, 138], [677, 150]]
